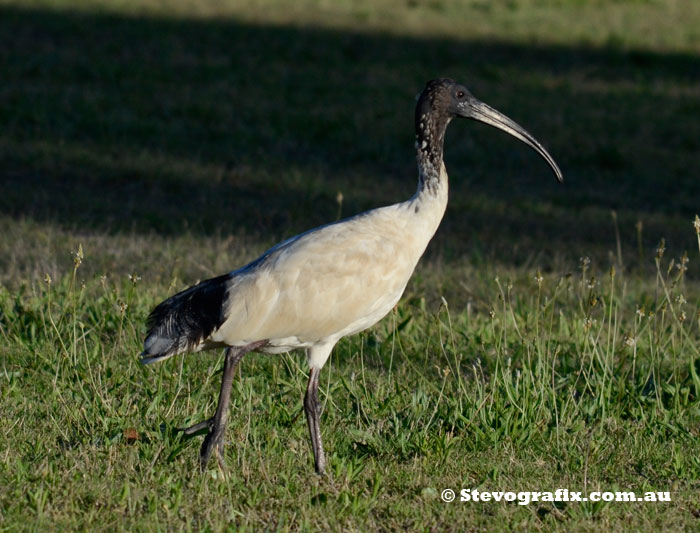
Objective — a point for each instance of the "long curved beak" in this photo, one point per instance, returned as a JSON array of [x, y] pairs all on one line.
[[477, 110]]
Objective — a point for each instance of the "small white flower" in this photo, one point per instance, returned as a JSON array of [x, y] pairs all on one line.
[[589, 323], [78, 256], [538, 278], [661, 248]]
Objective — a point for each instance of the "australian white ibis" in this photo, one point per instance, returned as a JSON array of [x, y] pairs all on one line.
[[313, 289]]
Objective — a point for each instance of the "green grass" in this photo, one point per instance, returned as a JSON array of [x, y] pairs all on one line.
[[564, 383], [175, 141]]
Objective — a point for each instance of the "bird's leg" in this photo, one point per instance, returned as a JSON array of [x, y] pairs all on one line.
[[312, 408], [217, 424], [230, 365]]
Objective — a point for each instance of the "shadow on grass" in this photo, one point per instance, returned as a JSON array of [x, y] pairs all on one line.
[[155, 125]]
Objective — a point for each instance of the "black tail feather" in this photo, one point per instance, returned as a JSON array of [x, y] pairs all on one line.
[[183, 321]]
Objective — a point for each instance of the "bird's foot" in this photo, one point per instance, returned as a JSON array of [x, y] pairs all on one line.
[[320, 464], [196, 428], [213, 441]]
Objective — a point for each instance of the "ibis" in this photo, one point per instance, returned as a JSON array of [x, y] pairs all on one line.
[[312, 290]]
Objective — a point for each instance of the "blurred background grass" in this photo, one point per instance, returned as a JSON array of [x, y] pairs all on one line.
[[129, 124]]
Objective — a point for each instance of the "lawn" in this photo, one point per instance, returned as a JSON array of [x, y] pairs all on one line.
[[550, 337]]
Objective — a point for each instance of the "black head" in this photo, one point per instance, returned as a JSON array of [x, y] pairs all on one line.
[[444, 99], [441, 97]]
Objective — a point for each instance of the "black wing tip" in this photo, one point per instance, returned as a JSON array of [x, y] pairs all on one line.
[[184, 320]]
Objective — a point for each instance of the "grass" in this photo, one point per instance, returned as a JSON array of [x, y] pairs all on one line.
[[565, 382], [547, 341]]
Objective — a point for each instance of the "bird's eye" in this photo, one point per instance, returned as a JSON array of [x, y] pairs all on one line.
[[460, 94]]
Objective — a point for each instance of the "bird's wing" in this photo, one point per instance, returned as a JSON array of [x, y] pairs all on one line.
[[317, 285]]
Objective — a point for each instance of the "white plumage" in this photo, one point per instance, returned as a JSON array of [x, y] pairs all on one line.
[[313, 289], [330, 282]]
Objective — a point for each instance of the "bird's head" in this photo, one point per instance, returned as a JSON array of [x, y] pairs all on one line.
[[444, 99]]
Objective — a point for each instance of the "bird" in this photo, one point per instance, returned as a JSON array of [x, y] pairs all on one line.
[[313, 289]]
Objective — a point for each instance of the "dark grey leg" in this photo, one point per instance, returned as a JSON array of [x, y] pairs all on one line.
[[215, 437], [217, 424], [312, 408]]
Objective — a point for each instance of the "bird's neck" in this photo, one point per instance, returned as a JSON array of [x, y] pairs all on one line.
[[430, 201], [430, 139]]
